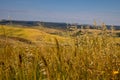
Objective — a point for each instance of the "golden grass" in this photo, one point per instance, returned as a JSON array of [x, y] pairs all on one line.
[[34, 35], [85, 57]]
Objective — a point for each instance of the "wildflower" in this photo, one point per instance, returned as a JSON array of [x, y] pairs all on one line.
[[115, 72]]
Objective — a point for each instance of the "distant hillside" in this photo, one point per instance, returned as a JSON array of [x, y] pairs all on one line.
[[30, 35], [34, 23], [47, 24]]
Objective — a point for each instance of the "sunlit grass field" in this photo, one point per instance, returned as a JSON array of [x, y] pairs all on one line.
[[35, 54]]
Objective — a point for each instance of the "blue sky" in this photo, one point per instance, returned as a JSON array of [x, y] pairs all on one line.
[[70, 11]]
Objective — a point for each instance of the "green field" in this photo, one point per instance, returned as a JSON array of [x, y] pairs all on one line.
[[40, 53]]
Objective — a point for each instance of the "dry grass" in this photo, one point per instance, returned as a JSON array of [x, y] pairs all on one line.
[[85, 57], [34, 35]]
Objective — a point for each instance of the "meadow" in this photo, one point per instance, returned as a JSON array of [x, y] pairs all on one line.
[[38, 54]]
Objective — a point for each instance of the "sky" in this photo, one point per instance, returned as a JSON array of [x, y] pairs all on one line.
[[69, 11]]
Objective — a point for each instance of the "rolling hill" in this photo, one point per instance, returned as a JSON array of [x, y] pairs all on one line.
[[31, 35]]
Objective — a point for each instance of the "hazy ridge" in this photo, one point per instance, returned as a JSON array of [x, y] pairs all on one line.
[[50, 24]]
